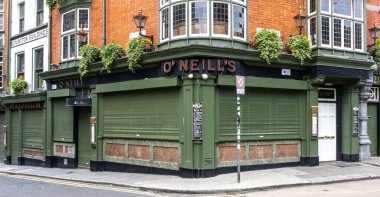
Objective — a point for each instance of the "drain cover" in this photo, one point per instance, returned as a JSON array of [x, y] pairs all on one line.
[[346, 165]]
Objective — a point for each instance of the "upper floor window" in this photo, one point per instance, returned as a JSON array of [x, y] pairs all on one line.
[[21, 8], [184, 18], [40, 12], [341, 24], [38, 56], [1, 5], [1, 21], [20, 62], [72, 22]]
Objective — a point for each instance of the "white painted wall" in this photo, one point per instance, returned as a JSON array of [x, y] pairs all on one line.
[[27, 48]]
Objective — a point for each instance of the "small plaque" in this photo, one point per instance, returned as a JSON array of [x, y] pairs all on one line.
[[197, 121], [355, 121]]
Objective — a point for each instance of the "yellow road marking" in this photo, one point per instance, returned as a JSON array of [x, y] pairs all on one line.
[[80, 184]]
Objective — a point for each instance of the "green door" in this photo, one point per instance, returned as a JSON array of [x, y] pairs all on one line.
[[372, 128], [2, 148], [84, 137], [15, 132]]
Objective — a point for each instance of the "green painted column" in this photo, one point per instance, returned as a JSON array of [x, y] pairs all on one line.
[[309, 146], [186, 138], [8, 123], [98, 151], [350, 142], [49, 127]]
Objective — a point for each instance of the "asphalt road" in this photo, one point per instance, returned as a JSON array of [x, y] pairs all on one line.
[[25, 186]]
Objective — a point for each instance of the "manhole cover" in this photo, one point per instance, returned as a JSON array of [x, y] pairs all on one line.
[[346, 165]]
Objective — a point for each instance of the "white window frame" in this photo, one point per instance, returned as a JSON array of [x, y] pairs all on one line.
[[344, 16], [68, 48], [330, 7], [62, 18], [165, 4], [316, 33], [240, 2], [171, 22], [34, 65], [17, 67], [330, 31], [308, 8], [362, 49], [229, 20], [245, 23], [77, 19], [2, 17], [208, 20], [325, 99], [353, 12], [342, 33]]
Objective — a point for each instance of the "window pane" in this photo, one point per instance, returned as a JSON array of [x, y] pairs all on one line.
[[342, 7], [72, 45], [347, 33], [325, 5], [199, 18], [21, 25], [358, 36], [65, 47], [179, 20], [337, 32], [22, 10], [325, 30], [1, 22], [1, 56], [68, 21], [40, 17], [165, 24], [83, 19], [313, 31], [38, 61], [238, 13], [1, 5], [40, 5], [312, 6], [358, 6], [220, 18], [20, 63]]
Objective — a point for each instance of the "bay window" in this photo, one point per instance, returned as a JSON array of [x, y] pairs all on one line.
[[202, 18], [72, 22], [341, 24]]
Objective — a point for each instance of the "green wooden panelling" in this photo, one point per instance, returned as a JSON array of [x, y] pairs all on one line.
[[84, 136], [32, 129], [150, 114], [61, 93], [15, 132], [264, 82], [350, 99], [2, 147], [265, 114], [372, 128], [63, 130]]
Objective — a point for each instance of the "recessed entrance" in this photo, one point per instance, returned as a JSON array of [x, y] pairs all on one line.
[[84, 136], [327, 131]]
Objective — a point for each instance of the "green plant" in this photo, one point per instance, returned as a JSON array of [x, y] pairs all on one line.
[[299, 46], [109, 53], [269, 45], [52, 3], [90, 54], [136, 48], [18, 85]]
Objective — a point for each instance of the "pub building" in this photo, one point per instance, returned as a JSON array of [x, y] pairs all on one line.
[[177, 114]]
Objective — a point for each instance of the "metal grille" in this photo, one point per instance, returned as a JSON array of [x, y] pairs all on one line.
[[358, 36], [220, 18], [337, 32], [199, 18], [179, 19], [325, 30]]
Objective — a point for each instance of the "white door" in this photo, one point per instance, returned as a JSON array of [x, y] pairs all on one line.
[[327, 131]]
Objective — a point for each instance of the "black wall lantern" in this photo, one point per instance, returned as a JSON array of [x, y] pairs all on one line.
[[140, 21], [82, 36], [374, 33], [300, 20]]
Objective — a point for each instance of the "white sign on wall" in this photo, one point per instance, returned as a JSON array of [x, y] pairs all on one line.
[[30, 37]]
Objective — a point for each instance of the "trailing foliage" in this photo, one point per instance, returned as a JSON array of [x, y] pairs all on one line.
[[269, 45], [109, 53], [299, 47], [136, 48], [18, 85], [52, 3], [90, 54], [376, 53]]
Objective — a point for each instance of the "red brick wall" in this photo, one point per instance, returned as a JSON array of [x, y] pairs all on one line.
[[275, 15], [372, 16], [55, 36]]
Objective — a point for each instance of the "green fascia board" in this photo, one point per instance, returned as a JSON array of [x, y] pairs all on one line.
[[24, 98], [335, 61], [139, 84], [60, 93], [67, 5], [259, 82]]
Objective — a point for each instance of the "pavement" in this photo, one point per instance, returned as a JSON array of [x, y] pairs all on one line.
[[325, 173]]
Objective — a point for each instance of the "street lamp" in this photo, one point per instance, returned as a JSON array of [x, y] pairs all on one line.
[[82, 36], [374, 33], [140, 21], [300, 20]]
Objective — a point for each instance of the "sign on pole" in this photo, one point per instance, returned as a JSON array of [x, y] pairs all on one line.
[[240, 85]]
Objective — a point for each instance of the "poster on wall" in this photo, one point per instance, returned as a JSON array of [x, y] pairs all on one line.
[[197, 121]]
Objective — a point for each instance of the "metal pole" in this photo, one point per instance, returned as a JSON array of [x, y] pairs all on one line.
[[238, 136]]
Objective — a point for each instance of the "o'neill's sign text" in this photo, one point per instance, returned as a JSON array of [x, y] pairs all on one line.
[[200, 65]]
